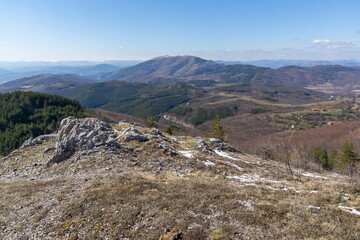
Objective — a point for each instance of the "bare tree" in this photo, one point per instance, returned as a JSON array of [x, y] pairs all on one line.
[[286, 146]]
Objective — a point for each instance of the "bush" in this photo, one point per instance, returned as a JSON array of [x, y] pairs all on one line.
[[150, 122], [321, 156]]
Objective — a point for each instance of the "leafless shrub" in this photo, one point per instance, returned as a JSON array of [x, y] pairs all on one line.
[[286, 149], [266, 151]]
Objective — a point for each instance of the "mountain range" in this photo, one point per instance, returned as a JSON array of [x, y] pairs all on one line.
[[59, 84], [188, 68], [299, 63], [169, 70], [94, 70], [166, 71]]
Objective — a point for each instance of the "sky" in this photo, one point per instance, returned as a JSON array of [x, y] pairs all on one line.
[[244, 30]]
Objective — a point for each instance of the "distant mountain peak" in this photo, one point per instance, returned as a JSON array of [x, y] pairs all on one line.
[[173, 66]]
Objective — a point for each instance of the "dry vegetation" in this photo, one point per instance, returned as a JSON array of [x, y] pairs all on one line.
[[203, 194]]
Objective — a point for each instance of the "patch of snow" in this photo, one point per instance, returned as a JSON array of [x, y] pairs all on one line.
[[350, 210], [307, 174], [346, 198], [235, 166], [208, 163], [188, 154], [297, 191], [310, 206], [249, 178], [225, 155], [313, 191], [245, 178], [248, 204], [228, 156], [231, 164]]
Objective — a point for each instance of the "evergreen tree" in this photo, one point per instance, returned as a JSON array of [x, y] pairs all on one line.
[[150, 122], [322, 157], [217, 131], [348, 159], [169, 130]]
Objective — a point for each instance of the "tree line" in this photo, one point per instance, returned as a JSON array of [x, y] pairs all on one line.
[[26, 114]]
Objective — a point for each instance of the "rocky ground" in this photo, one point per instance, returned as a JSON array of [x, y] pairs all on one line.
[[94, 180]]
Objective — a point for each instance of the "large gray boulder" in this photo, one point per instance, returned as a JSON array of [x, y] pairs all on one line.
[[76, 134]]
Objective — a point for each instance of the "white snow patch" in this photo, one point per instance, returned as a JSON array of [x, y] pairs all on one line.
[[248, 204], [350, 210], [208, 163], [231, 164], [310, 206], [188, 154], [245, 178], [235, 166], [307, 174], [249, 178], [346, 198], [225, 155], [313, 191]]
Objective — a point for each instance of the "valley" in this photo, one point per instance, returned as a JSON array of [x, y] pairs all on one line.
[[179, 120]]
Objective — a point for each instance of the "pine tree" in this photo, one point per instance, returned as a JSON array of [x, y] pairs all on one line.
[[150, 122], [169, 130], [218, 131], [348, 159]]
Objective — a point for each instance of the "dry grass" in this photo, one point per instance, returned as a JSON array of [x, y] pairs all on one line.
[[136, 195], [136, 207]]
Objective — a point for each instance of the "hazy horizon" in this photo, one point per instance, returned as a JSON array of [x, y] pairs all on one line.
[[229, 30]]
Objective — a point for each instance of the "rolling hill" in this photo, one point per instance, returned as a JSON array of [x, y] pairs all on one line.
[[179, 67], [137, 99], [46, 83], [188, 69], [96, 72]]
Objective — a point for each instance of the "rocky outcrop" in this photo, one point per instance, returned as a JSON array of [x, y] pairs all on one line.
[[132, 134], [37, 141], [82, 135], [76, 134]]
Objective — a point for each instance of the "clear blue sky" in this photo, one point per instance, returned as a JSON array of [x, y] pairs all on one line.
[[142, 29]]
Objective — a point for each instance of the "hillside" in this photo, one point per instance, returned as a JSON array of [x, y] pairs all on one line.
[[94, 180], [165, 71], [3, 74], [25, 114], [137, 99], [188, 68], [96, 72], [180, 67], [58, 84]]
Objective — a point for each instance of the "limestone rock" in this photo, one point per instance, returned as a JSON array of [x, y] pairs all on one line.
[[132, 134], [77, 134], [37, 141], [201, 144]]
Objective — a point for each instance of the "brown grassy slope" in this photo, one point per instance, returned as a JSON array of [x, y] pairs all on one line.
[[329, 137], [111, 117], [118, 194]]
